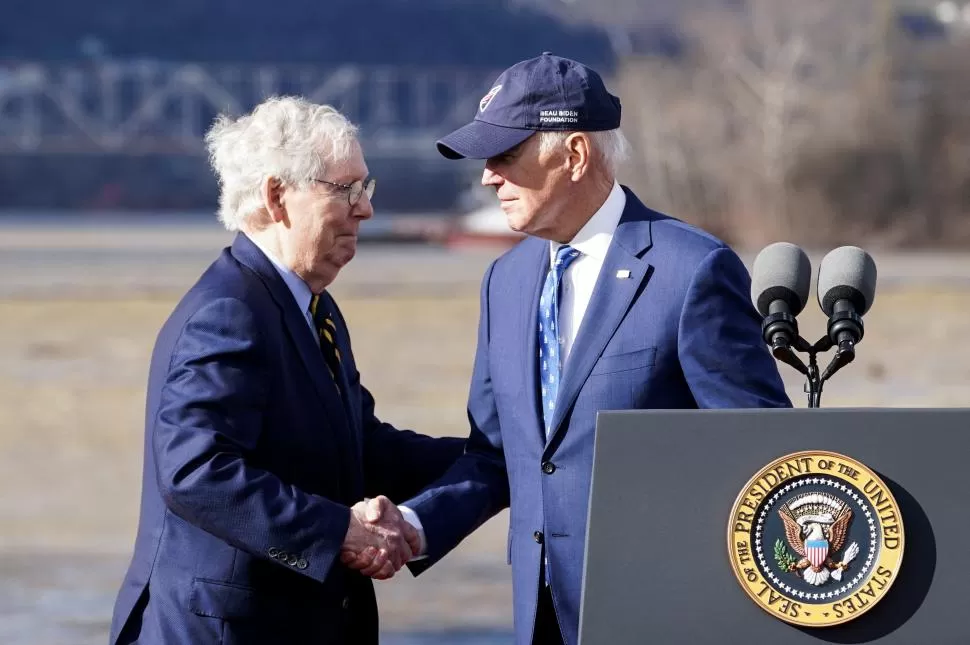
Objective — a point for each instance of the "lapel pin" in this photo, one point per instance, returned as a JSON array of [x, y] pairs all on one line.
[[623, 273]]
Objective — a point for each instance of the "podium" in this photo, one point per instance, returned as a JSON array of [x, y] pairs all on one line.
[[659, 553]]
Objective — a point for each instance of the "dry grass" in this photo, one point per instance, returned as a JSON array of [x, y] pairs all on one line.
[[72, 391], [72, 379]]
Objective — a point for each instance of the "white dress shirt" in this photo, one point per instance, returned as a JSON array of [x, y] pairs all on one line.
[[592, 241]]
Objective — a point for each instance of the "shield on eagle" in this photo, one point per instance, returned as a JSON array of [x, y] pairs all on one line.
[[816, 551]]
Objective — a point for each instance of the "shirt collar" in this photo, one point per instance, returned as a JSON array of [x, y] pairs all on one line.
[[595, 236], [300, 290]]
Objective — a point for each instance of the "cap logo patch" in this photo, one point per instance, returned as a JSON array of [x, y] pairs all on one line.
[[488, 98]]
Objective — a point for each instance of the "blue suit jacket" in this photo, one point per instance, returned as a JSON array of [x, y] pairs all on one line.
[[680, 332], [251, 462]]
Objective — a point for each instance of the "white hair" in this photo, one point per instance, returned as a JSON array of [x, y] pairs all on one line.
[[285, 137], [611, 145]]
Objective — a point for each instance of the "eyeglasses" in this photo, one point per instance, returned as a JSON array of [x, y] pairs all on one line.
[[355, 189]]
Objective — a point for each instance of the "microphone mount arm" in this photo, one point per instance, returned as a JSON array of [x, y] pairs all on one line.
[[786, 351]]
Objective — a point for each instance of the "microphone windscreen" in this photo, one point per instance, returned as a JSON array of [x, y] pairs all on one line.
[[782, 271], [847, 273]]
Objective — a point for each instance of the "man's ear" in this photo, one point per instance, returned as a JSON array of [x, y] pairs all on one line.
[[579, 152], [272, 191]]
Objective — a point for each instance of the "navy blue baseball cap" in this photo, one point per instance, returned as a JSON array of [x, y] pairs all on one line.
[[546, 93]]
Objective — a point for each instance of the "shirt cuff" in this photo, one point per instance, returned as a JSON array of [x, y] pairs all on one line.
[[412, 518]]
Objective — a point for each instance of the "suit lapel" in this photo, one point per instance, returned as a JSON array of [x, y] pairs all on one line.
[[348, 398], [621, 278], [353, 409], [530, 288], [296, 324]]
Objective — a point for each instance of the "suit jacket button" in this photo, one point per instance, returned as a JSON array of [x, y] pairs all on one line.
[[537, 536], [292, 560], [548, 467], [273, 552], [345, 603], [282, 555], [301, 563]]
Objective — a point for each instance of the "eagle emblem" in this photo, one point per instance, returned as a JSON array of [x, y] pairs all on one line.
[[816, 526], [815, 538]]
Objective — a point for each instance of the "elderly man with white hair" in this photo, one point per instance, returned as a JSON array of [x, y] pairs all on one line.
[[261, 444]]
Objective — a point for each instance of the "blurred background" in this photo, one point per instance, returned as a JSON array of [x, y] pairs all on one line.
[[822, 123]]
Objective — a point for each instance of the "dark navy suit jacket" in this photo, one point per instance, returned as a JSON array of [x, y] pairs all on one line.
[[251, 462], [679, 332]]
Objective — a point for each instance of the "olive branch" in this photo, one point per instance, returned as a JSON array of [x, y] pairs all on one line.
[[783, 558]]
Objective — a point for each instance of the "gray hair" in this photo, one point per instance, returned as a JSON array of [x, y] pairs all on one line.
[[611, 145], [285, 137]]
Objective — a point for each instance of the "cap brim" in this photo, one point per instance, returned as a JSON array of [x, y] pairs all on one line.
[[481, 140]]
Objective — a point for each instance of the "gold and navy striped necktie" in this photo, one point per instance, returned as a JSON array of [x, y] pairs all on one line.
[[326, 328]]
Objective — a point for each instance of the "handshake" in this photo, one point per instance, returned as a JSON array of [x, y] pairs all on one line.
[[379, 540]]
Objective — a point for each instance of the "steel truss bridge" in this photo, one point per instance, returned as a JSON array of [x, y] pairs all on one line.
[[151, 108]]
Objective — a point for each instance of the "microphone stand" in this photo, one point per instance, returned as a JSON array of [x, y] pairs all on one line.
[[785, 351]]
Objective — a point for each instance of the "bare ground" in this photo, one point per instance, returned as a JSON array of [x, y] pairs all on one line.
[[72, 375]]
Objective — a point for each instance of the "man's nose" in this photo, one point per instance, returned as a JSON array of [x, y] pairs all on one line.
[[363, 209], [490, 177]]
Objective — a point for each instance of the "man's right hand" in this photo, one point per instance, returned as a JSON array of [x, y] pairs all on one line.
[[379, 541]]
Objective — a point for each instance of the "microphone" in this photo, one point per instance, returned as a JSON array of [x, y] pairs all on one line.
[[780, 282], [846, 287]]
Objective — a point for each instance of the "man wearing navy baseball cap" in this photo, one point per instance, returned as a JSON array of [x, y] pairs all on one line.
[[544, 94], [605, 305]]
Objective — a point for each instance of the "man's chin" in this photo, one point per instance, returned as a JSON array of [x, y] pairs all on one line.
[[344, 250], [517, 224], [344, 256], [330, 266], [341, 258]]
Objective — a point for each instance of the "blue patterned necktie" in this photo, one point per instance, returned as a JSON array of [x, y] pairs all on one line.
[[550, 346]]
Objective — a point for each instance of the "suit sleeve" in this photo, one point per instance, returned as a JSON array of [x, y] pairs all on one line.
[[476, 487], [210, 417], [399, 463], [724, 359]]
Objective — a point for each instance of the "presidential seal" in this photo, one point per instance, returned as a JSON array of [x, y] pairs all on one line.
[[815, 538]]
